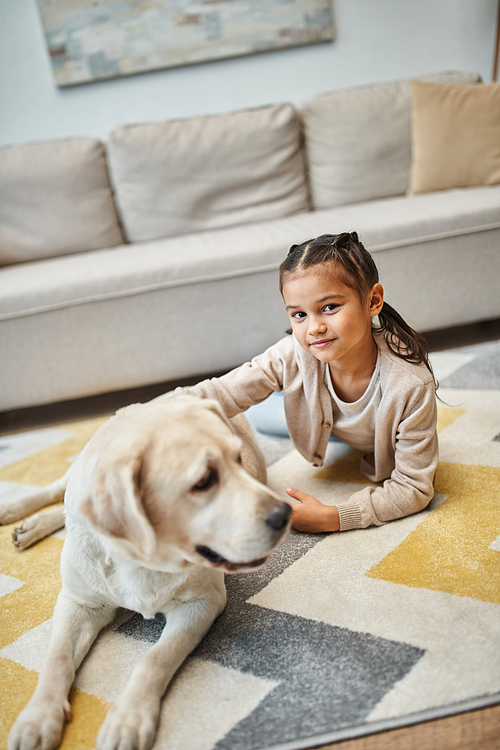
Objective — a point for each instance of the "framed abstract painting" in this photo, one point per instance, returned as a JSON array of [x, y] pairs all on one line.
[[92, 40]]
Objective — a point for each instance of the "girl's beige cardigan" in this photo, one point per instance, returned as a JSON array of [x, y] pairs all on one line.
[[405, 451]]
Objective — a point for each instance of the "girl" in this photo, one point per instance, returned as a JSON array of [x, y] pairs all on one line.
[[370, 385]]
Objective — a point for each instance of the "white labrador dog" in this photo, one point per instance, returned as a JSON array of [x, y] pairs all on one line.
[[163, 499]]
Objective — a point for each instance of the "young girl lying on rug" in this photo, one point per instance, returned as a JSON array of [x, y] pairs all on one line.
[[371, 386]]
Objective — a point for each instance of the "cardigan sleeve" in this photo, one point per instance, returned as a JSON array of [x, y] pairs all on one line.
[[244, 386], [409, 488]]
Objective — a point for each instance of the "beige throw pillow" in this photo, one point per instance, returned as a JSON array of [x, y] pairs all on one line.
[[359, 140], [455, 136]]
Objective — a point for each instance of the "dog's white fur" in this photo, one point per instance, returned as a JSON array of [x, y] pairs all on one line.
[[164, 498]]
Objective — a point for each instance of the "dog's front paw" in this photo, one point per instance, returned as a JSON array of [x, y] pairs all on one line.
[[28, 533], [39, 727], [129, 726]]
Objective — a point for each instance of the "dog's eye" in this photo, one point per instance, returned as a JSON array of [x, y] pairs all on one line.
[[207, 481], [240, 460]]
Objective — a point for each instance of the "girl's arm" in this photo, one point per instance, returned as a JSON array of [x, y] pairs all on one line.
[[246, 385]]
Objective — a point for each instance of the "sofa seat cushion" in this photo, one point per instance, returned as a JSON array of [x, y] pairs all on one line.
[[55, 199], [180, 176], [84, 278], [359, 140]]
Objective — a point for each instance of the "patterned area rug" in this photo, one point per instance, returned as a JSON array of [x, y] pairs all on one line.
[[339, 635]]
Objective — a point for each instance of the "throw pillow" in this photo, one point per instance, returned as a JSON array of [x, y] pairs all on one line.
[[455, 136], [359, 140]]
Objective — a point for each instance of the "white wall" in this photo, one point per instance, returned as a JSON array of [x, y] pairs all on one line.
[[376, 40]]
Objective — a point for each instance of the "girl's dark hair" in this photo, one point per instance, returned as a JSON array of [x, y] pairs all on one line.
[[359, 272]]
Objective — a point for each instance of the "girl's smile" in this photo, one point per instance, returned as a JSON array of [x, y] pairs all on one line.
[[322, 343]]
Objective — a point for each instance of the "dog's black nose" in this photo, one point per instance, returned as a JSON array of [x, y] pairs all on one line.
[[278, 517]]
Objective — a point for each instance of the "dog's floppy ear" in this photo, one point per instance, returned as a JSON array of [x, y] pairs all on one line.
[[114, 505]]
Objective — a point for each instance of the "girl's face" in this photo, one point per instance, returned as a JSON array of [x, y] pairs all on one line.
[[328, 318]]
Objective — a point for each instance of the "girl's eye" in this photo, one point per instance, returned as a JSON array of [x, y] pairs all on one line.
[[299, 315], [330, 308]]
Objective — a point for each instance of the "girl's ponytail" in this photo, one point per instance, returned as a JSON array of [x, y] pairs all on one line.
[[401, 339]]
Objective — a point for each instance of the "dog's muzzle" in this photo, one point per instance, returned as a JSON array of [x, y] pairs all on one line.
[[276, 520]]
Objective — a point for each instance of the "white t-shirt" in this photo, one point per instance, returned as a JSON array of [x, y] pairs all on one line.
[[354, 423]]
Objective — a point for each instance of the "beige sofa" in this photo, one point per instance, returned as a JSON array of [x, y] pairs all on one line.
[[155, 257]]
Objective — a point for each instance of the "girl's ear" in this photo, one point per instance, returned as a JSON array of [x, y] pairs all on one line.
[[376, 299]]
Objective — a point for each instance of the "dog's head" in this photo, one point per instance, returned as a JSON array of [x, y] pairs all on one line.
[[170, 490]]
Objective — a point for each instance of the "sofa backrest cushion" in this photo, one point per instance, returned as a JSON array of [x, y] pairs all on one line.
[[358, 140], [201, 173], [55, 199]]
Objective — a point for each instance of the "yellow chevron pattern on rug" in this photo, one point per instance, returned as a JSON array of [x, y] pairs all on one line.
[[16, 688], [450, 550], [36, 572], [35, 579], [51, 463]]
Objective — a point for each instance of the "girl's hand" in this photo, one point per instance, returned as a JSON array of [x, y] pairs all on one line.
[[312, 516]]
